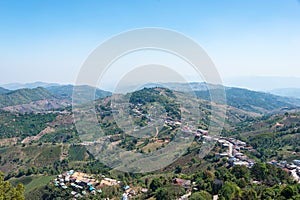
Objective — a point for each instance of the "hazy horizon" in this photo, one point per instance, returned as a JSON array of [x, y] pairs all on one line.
[[244, 39], [256, 83]]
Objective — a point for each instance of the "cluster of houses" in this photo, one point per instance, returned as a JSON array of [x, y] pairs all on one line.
[[171, 122], [292, 168], [235, 150], [185, 128], [236, 156], [182, 182], [235, 147], [128, 192], [187, 185], [82, 184], [137, 112]]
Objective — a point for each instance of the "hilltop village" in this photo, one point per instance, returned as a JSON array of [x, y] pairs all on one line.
[[79, 184]]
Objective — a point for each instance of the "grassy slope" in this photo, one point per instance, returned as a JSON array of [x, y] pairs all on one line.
[[31, 182], [17, 157]]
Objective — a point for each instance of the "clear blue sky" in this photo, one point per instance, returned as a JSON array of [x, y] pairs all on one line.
[[48, 40]]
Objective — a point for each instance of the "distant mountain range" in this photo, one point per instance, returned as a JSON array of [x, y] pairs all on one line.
[[66, 91], [287, 92], [42, 99], [248, 100], [16, 86], [23, 96], [54, 96], [3, 90], [185, 87], [252, 101], [263, 83]]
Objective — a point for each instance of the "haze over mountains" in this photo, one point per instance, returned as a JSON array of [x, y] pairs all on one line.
[[3, 90], [272, 84], [54, 96], [258, 83], [288, 92], [42, 99], [16, 86]]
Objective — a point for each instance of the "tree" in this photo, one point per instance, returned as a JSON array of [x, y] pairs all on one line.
[[287, 192], [178, 169], [7, 191], [161, 194], [240, 171], [201, 195], [168, 193], [224, 174], [155, 184], [21, 173], [249, 194], [217, 186], [259, 171], [208, 175], [268, 193], [230, 191]]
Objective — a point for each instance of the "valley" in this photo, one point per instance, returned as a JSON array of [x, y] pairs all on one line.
[[39, 143]]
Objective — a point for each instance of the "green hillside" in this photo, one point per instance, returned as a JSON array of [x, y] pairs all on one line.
[[252, 101], [58, 149], [24, 96], [287, 92], [273, 137], [244, 99], [66, 91], [23, 125], [3, 90]]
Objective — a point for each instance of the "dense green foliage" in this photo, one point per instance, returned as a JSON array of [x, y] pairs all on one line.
[[169, 192], [252, 101], [23, 125], [237, 182], [273, 137], [165, 98], [23, 96], [7, 191]]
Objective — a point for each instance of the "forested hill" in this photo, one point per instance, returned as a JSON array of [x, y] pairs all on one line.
[[23, 96], [244, 99], [274, 137], [43, 99], [66, 91], [3, 90], [252, 101]]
